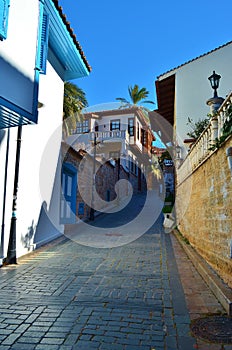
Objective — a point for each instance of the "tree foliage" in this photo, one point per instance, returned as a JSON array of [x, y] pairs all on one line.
[[197, 127], [136, 95], [74, 100]]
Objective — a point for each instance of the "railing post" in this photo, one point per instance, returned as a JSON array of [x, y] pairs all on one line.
[[214, 128]]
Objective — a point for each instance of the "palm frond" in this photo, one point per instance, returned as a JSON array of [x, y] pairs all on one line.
[[136, 95], [74, 100], [148, 101], [121, 99]]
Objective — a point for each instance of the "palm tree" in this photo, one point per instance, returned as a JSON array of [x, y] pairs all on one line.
[[74, 101], [136, 95]]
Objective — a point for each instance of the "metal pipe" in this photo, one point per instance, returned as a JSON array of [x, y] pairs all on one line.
[[11, 253], [4, 199]]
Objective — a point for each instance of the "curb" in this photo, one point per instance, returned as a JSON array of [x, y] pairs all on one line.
[[222, 292]]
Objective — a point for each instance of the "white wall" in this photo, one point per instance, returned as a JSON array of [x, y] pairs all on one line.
[[104, 125], [39, 172], [39, 182], [105, 121], [38, 199], [18, 52], [193, 87], [10, 179]]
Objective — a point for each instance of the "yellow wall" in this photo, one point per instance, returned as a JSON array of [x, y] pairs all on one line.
[[204, 211]]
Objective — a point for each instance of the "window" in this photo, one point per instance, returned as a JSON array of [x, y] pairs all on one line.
[[115, 124], [131, 126], [4, 12], [82, 127], [114, 155], [143, 137], [133, 166], [137, 130]]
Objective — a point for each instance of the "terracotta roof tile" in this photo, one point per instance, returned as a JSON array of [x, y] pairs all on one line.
[[73, 36]]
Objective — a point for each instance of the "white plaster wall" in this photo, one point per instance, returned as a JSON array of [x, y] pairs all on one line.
[[104, 125], [43, 169], [193, 87], [19, 49], [107, 119], [39, 173], [10, 180]]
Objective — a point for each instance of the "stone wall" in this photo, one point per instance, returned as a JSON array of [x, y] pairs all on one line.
[[204, 211], [106, 178]]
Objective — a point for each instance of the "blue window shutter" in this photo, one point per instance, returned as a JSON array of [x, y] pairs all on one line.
[[4, 11], [43, 45]]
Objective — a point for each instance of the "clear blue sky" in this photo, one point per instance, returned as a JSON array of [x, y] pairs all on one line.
[[131, 42]]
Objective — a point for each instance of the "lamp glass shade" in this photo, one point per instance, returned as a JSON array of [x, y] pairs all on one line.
[[214, 80]]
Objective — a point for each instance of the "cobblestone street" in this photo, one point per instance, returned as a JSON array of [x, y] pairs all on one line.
[[70, 296]]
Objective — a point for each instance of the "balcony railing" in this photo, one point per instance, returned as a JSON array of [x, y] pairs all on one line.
[[109, 135], [202, 148]]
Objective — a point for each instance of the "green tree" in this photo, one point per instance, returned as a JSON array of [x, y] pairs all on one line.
[[197, 127], [74, 101], [136, 95]]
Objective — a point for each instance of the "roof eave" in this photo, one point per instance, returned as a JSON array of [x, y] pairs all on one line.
[[64, 45]]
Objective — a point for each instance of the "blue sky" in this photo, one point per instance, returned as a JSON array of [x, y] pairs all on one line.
[[131, 42]]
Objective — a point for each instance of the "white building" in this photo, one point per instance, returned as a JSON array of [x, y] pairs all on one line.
[[122, 133], [38, 52], [182, 92]]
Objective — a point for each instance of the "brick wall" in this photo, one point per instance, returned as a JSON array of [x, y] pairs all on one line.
[[204, 211]]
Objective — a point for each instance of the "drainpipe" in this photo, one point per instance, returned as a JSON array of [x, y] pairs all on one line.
[[4, 200], [11, 253]]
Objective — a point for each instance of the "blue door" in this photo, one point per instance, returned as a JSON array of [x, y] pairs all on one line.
[[68, 194]]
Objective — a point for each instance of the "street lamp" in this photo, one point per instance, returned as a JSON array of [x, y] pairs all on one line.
[[214, 81], [92, 211], [178, 152], [214, 102]]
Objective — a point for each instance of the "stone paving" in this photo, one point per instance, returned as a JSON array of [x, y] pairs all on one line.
[[69, 296]]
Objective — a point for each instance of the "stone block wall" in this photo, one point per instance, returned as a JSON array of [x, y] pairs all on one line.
[[106, 178], [204, 211]]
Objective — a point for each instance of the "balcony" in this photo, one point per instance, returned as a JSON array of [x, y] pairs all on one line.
[[109, 136]]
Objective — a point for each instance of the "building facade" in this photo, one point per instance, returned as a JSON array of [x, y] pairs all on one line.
[[38, 52], [121, 137], [76, 205], [182, 92]]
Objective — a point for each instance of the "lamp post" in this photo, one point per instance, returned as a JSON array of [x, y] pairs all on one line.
[[91, 214], [214, 102], [178, 155], [178, 152]]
